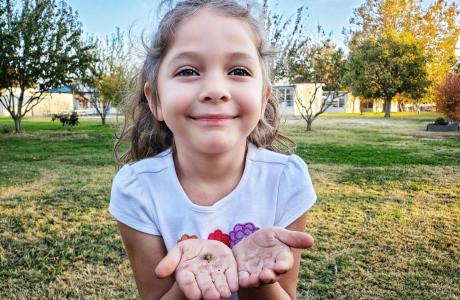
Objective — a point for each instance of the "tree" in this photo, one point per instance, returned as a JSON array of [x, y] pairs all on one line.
[[41, 48], [325, 66], [435, 27], [457, 67], [300, 60], [109, 77], [448, 97], [285, 38], [383, 68]]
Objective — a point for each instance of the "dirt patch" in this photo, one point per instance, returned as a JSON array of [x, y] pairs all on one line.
[[431, 135]]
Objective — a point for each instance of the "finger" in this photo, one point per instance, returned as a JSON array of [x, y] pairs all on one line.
[[232, 279], [295, 239], [187, 283], [254, 280], [208, 290], [268, 276], [220, 282], [283, 262], [169, 263], [243, 278]]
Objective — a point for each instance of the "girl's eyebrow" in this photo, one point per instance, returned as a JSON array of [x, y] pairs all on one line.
[[192, 55]]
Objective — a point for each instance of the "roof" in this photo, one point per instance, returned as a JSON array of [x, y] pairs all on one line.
[[63, 89], [68, 90]]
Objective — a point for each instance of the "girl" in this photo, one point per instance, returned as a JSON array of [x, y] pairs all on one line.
[[205, 197]]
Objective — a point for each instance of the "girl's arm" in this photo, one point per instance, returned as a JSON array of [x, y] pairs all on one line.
[[145, 252], [286, 287]]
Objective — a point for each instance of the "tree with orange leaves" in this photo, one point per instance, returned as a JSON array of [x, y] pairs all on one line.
[[448, 97]]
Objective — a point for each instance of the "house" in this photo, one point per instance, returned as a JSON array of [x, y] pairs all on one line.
[[3, 111], [344, 103], [56, 101], [287, 93], [60, 100]]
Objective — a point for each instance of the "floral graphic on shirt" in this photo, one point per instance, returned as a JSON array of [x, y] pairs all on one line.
[[236, 235], [240, 231], [186, 237], [218, 235]]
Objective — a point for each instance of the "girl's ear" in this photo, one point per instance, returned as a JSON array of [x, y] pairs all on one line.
[[267, 94], [156, 111]]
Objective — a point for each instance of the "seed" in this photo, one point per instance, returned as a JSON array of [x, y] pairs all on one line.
[[208, 257]]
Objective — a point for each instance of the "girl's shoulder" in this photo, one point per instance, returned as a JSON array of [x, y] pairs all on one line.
[[263, 155], [152, 164]]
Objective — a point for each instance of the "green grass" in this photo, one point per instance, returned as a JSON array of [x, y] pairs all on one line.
[[386, 223]]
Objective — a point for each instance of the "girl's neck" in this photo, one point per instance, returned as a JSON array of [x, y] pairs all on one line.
[[191, 166], [207, 179]]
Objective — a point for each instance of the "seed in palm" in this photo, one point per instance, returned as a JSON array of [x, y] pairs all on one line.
[[207, 257]]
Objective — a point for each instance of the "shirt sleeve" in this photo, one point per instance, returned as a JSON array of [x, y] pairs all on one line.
[[295, 192], [129, 203]]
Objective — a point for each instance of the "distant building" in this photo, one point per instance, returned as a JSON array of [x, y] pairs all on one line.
[[344, 103], [287, 93], [60, 100]]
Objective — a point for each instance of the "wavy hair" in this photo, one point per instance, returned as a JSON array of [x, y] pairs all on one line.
[[146, 134]]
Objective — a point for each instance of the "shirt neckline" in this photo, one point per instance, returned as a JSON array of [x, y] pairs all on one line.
[[220, 202]]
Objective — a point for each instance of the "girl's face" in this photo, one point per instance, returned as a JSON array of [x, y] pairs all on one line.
[[210, 84]]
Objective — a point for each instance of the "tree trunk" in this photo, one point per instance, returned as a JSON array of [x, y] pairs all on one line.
[[387, 108], [17, 117], [103, 120], [17, 125], [309, 123]]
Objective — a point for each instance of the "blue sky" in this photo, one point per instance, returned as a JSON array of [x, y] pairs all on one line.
[[100, 17]]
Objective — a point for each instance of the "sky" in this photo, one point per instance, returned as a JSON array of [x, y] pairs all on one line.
[[101, 17]]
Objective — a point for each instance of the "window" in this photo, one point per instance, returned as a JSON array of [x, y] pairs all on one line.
[[285, 96], [336, 102]]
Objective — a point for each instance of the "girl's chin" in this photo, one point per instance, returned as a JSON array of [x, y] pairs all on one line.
[[214, 146]]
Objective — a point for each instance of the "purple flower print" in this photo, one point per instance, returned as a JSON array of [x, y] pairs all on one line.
[[240, 231]]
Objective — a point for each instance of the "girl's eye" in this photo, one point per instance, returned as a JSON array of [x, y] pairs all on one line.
[[187, 72], [239, 72]]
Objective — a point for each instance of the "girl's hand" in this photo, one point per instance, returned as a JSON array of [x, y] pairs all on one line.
[[204, 269], [266, 254]]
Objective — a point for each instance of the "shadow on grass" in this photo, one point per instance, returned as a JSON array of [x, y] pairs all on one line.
[[41, 259], [372, 155]]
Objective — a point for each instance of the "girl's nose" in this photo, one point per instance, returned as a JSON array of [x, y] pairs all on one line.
[[214, 89]]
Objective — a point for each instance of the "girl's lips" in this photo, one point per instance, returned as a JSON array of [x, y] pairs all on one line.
[[217, 119], [212, 117]]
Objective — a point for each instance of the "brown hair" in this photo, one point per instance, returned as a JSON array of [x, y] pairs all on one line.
[[147, 135]]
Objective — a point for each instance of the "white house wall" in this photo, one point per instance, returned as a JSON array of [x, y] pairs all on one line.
[[378, 106], [336, 109], [3, 111], [304, 91], [52, 103], [353, 104]]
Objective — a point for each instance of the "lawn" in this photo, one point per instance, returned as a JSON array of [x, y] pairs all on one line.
[[386, 223]]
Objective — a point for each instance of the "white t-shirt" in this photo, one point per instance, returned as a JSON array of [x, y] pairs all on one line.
[[274, 190]]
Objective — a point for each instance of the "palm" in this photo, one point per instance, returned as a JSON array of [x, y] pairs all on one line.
[[266, 253], [203, 269]]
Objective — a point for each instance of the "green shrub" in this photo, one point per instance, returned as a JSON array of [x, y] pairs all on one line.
[[70, 120], [6, 129], [441, 121]]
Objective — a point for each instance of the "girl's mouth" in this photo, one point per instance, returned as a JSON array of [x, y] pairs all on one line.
[[213, 119]]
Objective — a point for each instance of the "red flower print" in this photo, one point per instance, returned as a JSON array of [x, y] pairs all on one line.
[[218, 235], [186, 237]]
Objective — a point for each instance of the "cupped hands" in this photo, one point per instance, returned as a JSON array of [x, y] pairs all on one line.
[[204, 269]]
